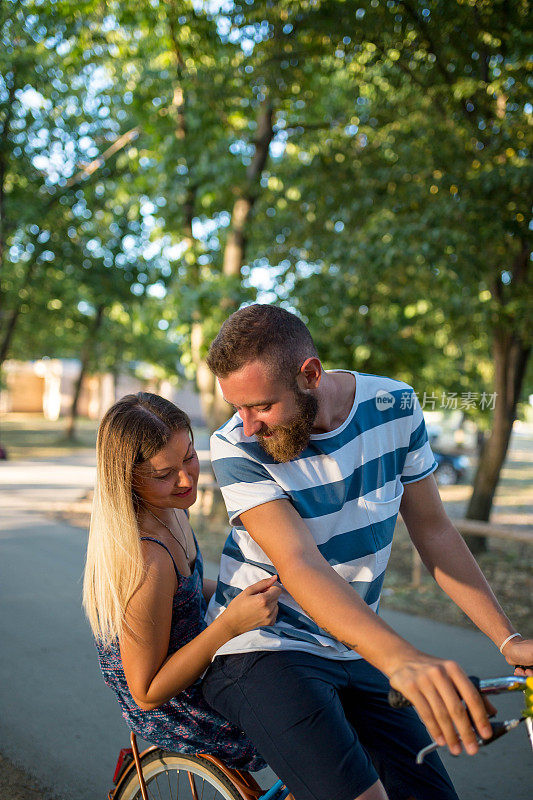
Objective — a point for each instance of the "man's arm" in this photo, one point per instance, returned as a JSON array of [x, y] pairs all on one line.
[[435, 686], [448, 559]]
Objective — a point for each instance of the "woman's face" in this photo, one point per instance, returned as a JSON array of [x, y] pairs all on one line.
[[170, 478]]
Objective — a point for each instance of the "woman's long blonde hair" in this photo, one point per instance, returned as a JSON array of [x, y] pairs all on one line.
[[132, 431]]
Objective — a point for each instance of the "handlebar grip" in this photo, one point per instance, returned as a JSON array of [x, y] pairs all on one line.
[[398, 700]]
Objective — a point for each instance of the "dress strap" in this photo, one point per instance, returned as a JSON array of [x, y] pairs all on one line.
[[151, 539]]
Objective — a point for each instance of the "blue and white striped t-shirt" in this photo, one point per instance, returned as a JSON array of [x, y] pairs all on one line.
[[346, 485]]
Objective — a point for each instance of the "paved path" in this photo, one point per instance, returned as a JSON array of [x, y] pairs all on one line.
[[60, 722]]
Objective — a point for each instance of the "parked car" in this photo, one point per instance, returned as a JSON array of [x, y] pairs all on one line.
[[451, 468], [434, 433]]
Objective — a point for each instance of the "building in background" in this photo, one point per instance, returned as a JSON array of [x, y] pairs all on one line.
[[47, 386]]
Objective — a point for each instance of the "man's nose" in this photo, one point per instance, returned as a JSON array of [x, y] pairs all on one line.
[[251, 425]]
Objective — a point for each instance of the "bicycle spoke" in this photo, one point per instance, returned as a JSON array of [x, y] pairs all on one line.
[[169, 786], [157, 787], [198, 781]]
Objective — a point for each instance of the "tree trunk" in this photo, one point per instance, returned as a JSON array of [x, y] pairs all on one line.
[[8, 334], [510, 361], [235, 250], [115, 377], [2, 216], [204, 380], [85, 359], [3, 169], [511, 355], [12, 319], [214, 407]]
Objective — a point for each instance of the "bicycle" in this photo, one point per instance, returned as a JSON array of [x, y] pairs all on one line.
[[162, 775], [157, 774], [489, 686]]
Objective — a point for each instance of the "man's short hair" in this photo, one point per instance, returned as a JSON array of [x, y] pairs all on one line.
[[261, 332]]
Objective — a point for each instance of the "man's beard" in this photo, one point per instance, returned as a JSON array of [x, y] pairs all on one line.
[[285, 442]]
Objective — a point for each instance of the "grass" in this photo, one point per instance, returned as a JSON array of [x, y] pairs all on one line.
[[508, 567], [30, 436]]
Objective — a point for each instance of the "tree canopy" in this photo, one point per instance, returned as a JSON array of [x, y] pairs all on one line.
[[366, 164]]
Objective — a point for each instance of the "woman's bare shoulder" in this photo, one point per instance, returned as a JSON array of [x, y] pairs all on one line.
[[158, 562]]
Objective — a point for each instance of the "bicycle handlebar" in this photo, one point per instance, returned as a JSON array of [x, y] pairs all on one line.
[[512, 683], [509, 683]]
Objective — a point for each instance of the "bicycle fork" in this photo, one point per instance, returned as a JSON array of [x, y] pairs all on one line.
[[529, 726]]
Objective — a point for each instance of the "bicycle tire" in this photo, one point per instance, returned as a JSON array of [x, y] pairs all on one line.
[[166, 778]]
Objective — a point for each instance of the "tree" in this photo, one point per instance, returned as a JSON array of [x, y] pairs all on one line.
[[51, 121], [427, 178], [372, 158]]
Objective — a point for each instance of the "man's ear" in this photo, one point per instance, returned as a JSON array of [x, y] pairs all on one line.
[[310, 374]]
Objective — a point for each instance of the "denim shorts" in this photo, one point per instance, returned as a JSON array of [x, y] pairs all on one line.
[[325, 726]]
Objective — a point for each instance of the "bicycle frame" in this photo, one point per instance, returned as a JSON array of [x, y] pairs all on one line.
[[249, 789]]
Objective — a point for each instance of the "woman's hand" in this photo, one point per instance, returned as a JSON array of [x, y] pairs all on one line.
[[254, 607]]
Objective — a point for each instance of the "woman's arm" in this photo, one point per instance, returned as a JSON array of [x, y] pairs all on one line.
[[153, 678]]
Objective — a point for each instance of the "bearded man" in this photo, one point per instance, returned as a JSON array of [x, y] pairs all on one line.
[[314, 467]]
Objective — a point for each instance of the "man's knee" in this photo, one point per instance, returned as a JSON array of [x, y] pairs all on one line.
[[375, 792]]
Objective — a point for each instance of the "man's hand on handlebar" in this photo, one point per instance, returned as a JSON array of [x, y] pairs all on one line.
[[447, 701]]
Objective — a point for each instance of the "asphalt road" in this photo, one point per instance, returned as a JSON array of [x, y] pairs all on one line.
[[60, 722]]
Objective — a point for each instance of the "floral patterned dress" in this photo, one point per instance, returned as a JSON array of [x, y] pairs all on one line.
[[185, 723]]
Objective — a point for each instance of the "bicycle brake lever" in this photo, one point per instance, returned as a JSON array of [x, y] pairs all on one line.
[[498, 729], [425, 752]]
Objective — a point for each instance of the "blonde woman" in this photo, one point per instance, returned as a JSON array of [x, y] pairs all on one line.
[[144, 592]]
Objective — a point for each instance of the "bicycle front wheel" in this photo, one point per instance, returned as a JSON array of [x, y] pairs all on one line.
[[169, 776]]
